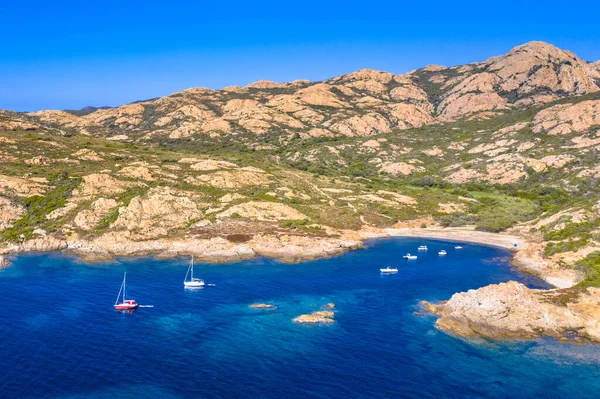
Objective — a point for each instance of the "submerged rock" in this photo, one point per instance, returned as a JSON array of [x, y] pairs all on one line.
[[3, 261], [263, 306]]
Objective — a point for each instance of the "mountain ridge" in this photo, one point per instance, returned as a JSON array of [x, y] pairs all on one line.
[[361, 103]]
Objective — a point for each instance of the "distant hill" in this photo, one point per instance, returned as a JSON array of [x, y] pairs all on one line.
[[85, 110]]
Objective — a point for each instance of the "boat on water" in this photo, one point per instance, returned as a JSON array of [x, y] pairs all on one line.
[[410, 257], [122, 303], [442, 252], [192, 282], [458, 247], [389, 270], [423, 248]]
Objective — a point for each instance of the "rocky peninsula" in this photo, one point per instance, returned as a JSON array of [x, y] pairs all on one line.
[[511, 310]]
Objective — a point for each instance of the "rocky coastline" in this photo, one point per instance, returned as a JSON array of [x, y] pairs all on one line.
[[511, 310], [286, 248]]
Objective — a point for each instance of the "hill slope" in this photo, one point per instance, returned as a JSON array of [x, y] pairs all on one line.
[[297, 168]]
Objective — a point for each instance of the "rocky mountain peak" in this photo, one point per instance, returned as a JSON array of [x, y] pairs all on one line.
[[365, 75], [265, 84]]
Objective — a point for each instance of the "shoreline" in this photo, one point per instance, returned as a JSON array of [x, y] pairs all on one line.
[[294, 248]]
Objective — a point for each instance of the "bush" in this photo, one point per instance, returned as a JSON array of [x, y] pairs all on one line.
[[590, 265]]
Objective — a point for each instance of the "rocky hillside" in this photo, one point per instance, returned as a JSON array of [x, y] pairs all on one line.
[[362, 103], [510, 143]]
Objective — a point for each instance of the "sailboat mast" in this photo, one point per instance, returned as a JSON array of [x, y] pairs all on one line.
[[192, 268], [120, 290], [124, 286]]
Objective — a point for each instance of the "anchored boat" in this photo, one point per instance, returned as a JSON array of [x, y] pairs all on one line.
[[192, 282], [389, 270], [442, 253], [124, 304], [423, 248], [410, 257]]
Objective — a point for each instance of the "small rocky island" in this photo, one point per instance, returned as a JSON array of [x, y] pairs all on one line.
[[325, 316]]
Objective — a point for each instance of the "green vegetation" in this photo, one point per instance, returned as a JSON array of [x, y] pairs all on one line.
[[590, 265], [38, 207], [301, 224]]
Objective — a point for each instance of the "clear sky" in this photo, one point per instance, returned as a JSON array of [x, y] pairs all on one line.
[[64, 54]]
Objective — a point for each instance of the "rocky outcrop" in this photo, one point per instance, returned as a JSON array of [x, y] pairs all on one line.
[[533, 73], [156, 213], [64, 120], [511, 310], [100, 184], [45, 243], [292, 248], [265, 211], [9, 212], [568, 118], [231, 179], [401, 168], [22, 187], [318, 317], [89, 218]]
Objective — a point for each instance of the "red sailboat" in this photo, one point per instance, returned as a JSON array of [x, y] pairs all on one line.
[[124, 304]]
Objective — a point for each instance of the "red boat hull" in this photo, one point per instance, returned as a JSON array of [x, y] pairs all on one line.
[[126, 306]]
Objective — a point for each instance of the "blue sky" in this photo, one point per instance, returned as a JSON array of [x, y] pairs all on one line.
[[63, 54]]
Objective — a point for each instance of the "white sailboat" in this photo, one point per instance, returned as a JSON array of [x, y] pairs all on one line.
[[192, 282]]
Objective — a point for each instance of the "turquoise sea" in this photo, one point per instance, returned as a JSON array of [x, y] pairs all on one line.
[[61, 338]]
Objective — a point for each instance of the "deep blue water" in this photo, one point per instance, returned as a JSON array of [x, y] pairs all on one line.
[[61, 338]]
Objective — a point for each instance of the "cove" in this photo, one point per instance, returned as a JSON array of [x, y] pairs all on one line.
[[61, 338]]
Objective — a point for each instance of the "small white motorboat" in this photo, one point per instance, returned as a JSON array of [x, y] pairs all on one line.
[[423, 248], [192, 282], [442, 253], [389, 270], [458, 247], [410, 257]]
